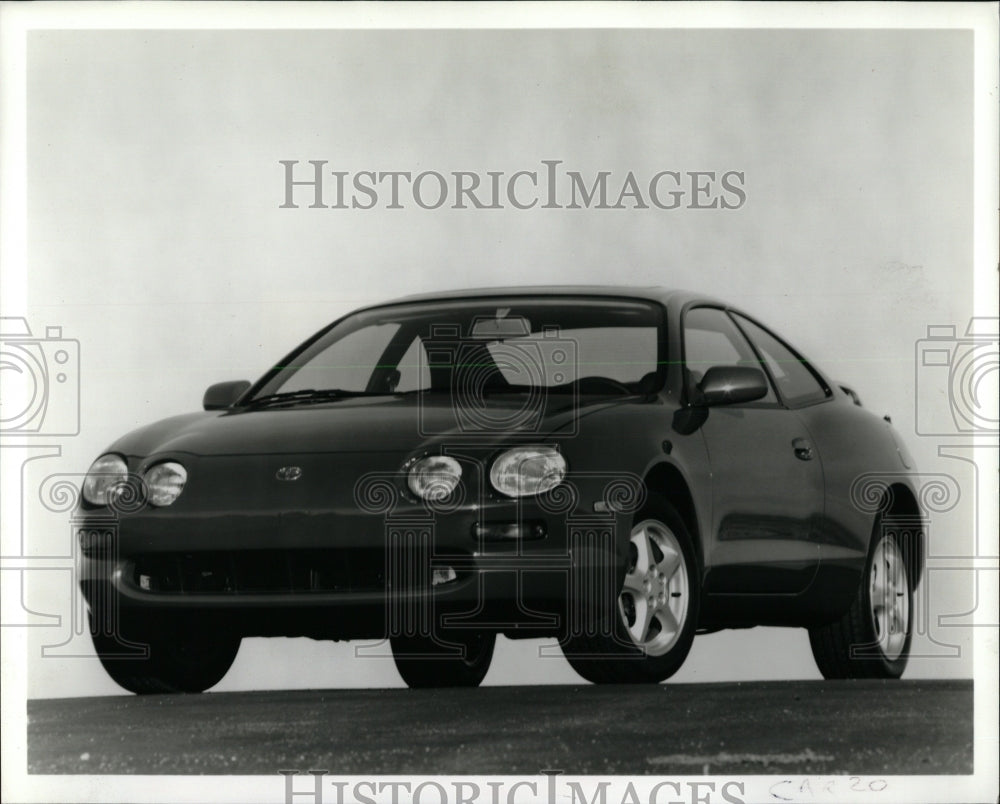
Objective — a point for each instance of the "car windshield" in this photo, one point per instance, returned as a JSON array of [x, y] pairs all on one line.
[[480, 347]]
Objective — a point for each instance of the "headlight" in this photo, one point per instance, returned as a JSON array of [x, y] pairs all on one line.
[[435, 477], [527, 470], [104, 475], [165, 482]]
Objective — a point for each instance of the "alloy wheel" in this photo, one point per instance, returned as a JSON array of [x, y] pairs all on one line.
[[889, 596], [653, 602]]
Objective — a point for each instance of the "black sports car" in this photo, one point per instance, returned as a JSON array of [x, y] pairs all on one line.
[[620, 468]]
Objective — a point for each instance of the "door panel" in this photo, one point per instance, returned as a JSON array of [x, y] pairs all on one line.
[[767, 498], [767, 479]]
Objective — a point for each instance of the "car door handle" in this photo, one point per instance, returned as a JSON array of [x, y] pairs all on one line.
[[803, 449]]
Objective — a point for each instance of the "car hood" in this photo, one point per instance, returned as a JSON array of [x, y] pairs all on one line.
[[361, 424]]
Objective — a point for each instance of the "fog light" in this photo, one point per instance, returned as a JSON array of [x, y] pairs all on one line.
[[508, 531], [443, 575]]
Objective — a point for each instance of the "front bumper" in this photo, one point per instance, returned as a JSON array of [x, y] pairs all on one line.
[[510, 566]]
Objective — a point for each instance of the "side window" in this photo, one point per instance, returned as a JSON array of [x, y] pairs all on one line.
[[712, 339], [795, 380]]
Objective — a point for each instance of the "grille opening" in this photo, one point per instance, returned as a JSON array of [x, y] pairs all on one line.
[[259, 572]]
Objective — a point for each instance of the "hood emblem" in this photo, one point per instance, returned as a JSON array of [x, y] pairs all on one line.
[[289, 473]]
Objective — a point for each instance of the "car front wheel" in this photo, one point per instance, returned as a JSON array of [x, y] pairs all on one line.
[[453, 659], [872, 640], [179, 658], [648, 631]]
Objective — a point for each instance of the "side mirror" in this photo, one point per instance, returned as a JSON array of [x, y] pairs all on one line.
[[222, 395], [729, 385]]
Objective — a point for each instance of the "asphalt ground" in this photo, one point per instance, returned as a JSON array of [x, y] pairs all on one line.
[[802, 727]]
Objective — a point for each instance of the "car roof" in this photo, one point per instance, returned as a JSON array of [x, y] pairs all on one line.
[[651, 293]]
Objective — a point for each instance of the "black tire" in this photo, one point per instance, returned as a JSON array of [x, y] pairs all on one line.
[[872, 640], [459, 658], [614, 646], [180, 658]]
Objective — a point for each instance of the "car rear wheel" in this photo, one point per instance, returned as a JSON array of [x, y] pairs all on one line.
[[872, 640], [646, 633], [453, 659], [180, 658]]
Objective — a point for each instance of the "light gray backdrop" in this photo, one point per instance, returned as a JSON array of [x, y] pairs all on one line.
[[155, 236]]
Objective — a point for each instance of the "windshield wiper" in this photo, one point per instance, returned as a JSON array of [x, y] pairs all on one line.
[[305, 396]]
